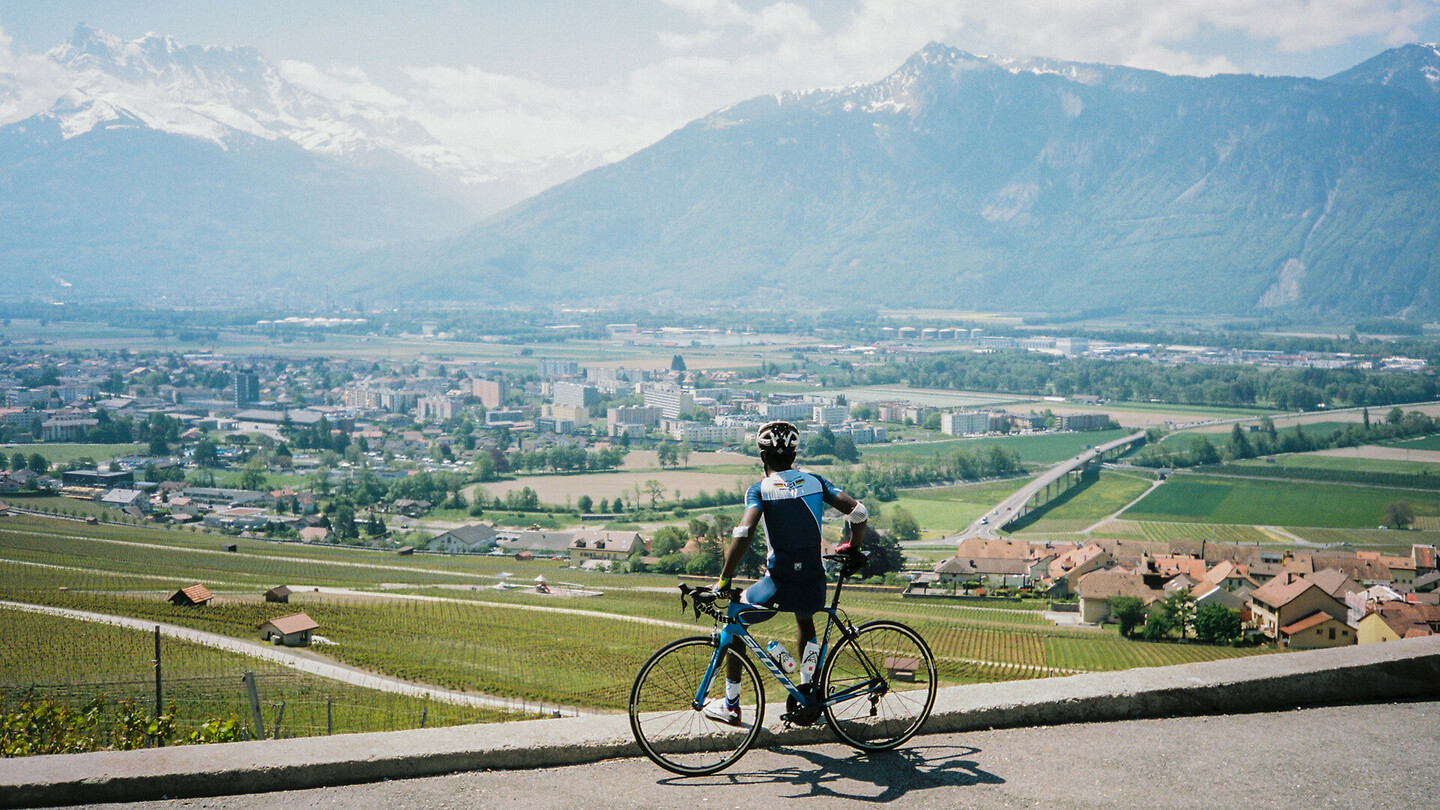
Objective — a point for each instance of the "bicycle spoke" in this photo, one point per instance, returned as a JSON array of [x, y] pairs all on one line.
[[667, 726], [879, 686]]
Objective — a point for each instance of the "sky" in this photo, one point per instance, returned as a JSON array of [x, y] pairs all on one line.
[[512, 81]]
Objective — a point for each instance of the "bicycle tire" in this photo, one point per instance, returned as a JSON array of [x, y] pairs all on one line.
[[899, 665], [670, 730]]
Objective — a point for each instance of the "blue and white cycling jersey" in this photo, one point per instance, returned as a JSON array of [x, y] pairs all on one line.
[[791, 503]]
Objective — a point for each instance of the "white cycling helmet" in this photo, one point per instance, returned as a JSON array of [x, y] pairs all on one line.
[[780, 437]]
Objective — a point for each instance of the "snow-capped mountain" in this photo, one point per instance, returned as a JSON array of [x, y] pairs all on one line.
[[214, 92], [146, 169], [1411, 68], [979, 182]]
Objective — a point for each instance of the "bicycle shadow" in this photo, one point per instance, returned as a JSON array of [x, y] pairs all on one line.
[[892, 773]]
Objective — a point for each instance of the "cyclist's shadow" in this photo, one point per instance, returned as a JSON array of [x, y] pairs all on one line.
[[893, 773]]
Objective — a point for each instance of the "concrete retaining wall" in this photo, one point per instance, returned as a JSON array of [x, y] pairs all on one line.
[[1403, 669]]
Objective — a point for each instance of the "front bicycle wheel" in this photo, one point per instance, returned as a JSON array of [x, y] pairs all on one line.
[[879, 686], [671, 731]]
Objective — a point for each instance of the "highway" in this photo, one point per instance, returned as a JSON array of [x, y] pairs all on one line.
[[1007, 511]]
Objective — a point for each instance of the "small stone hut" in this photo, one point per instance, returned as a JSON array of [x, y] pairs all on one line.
[[196, 595], [291, 631]]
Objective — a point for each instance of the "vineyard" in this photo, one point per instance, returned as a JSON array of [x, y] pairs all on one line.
[[1226, 533], [74, 662], [464, 624]]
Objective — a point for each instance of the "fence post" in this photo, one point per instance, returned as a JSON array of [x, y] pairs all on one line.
[[255, 717], [425, 713], [329, 717], [159, 703], [278, 718]]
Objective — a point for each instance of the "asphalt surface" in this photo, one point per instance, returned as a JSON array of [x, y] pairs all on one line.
[[1363, 756], [1012, 508]]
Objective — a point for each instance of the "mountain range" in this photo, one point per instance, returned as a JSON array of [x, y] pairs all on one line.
[[183, 174], [1011, 184]]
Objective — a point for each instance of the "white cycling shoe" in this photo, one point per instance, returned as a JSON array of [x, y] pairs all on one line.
[[722, 710]]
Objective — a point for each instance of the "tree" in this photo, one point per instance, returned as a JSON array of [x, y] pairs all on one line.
[[19, 461], [667, 453], [1179, 608], [1399, 514], [1129, 611], [845, 448], [684, 451], [375, 525], [343, 523], [1217, 624], [38, 464], [206, 454], [822, 443], [677, 363], [1239, 443], [253, 476], [656, 489], [585, 504], [903, 526], [1157, 628], [1203, 452], [667, 540]]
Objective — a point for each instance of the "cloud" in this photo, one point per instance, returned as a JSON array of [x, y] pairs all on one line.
[[340, 83], [729, 52], [29, 84]]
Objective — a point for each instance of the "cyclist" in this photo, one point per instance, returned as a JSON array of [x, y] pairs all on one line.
[[791, 503]]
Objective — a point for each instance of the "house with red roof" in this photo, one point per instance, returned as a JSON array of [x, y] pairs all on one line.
[[1283, 602]]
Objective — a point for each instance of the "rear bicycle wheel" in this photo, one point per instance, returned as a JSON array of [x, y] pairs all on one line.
[[879, 686], [671, 731]]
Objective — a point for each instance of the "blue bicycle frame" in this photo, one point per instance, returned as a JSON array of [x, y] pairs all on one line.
[[734, 637]]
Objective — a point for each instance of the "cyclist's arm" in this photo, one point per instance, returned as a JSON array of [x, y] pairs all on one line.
[[739, 542], [855, 513]]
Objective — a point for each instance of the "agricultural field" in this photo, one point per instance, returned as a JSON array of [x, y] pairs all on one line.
[[945, 510], [936, 398], [66, 453], [1431, 443], [472, 624], [1193, 498], [1350, 459], [1041, 448], [72, 661], [1093, 499], [1166, 532], [1386, 541]]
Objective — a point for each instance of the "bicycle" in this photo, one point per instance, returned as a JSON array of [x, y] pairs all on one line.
[[874, 689]]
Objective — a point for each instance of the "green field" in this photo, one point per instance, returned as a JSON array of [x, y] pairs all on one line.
[[1045, 448], [1082, 505], [66, 453], [1310, 461], [1166, 532], [1431, 442], [1191, 498], [945, 510]]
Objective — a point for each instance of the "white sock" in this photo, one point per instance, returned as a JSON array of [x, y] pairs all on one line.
[[732, 691]]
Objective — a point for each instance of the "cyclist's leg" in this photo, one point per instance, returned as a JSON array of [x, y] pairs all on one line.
[[756, 595], [802, 598]]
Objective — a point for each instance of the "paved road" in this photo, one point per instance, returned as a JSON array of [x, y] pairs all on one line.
[[1009, 510], [1349, 756]]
